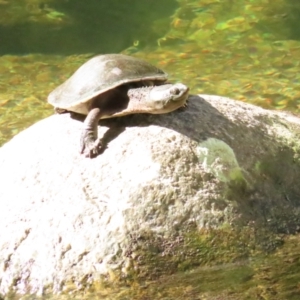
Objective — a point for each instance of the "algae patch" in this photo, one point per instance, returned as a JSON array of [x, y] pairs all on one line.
[[219, 159]]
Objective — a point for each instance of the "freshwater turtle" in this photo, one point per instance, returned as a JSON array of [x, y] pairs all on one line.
[[114, 85]]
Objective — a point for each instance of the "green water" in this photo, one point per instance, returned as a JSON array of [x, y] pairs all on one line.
[[72, 27], [247, 50]]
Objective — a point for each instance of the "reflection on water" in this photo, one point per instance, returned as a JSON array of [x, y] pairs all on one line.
[[247, 50], [242, 50], [69, 27]]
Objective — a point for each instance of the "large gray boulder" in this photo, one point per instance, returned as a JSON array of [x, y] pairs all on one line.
[[67, 221]]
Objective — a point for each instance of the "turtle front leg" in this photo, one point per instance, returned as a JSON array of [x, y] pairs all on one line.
[[89, 142]]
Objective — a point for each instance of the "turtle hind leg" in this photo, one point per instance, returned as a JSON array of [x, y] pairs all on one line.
[[90, 145]]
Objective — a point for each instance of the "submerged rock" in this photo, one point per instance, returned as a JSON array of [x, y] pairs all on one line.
[[135, 211]]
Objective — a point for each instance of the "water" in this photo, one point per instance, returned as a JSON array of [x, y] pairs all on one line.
[[247, 50], [72, 27]]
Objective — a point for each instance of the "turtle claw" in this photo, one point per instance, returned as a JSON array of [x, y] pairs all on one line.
[[92, 151], [89, 146]]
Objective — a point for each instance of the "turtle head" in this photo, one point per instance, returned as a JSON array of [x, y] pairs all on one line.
[[167, 97], [157, 99]]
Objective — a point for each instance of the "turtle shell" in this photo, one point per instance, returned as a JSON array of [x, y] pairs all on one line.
[[100, 74]]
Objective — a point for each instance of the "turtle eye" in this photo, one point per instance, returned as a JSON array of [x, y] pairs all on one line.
[[175, 91]]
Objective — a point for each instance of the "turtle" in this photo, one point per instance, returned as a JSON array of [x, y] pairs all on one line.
[[114, 85]]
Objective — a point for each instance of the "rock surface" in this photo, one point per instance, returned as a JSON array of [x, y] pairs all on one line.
[[66, 218]]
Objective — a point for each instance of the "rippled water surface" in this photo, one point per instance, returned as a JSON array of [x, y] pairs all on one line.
[[247, 50]]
